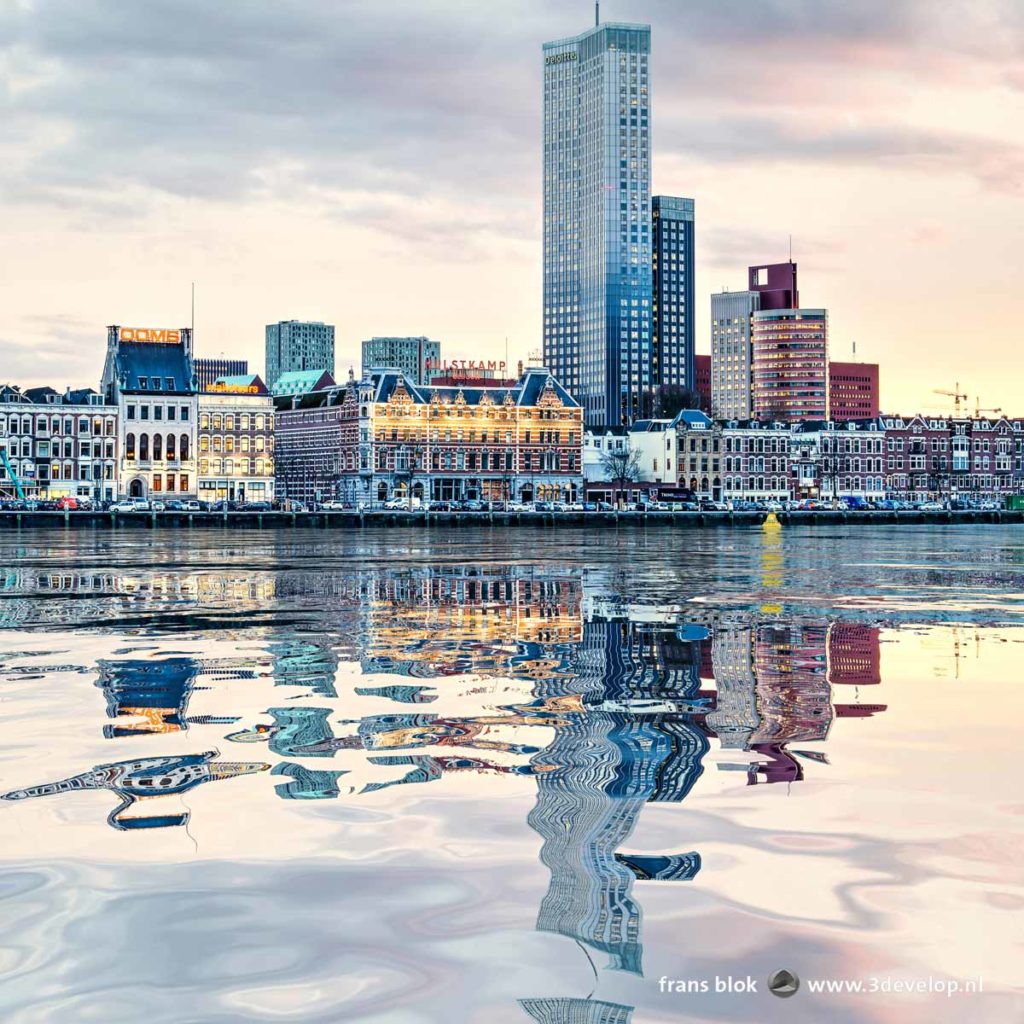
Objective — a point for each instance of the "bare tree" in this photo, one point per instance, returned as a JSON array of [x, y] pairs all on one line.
[[621, 466]]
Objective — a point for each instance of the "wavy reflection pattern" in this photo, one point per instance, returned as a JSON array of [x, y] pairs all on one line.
[[623, 700]]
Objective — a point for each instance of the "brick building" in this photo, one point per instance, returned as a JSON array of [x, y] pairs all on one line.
[[935, 457], [853, 390]]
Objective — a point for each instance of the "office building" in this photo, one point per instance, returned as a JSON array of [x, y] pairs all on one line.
[[672, 309], [236, 440], [853, 390], [732, 316], [209, 370], [597, 219], [789, 364], [148, 376], [418, 358], [298, 345]]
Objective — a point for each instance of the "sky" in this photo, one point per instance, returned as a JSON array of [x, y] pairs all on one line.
[[377, 166]]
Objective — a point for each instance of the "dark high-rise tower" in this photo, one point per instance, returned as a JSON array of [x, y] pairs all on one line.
[[672, 311]]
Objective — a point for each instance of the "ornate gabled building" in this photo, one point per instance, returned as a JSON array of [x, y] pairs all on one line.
[[384, 438]]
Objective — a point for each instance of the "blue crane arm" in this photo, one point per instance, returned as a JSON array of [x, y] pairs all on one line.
[[12, 474]]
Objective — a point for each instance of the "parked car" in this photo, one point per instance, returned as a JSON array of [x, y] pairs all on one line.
[[931, 506], [174, 505], [67, 504]]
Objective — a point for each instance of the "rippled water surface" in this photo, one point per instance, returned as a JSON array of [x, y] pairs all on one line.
[[510, 775]]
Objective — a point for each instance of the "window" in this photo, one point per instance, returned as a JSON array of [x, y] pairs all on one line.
[[183, 451], [131, 412], [158, 447], [158, 483], [144, 447], [143, 383], [184, 414], [170, 446]]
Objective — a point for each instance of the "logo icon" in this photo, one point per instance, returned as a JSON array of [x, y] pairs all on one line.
[[783, 983]]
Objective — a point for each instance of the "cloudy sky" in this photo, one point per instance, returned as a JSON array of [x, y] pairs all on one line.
[[377, 165]]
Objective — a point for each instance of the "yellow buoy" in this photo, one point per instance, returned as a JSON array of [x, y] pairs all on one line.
[[771, 522]]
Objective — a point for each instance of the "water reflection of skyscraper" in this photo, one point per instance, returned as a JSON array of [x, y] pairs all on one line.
[[606, 767], [576, 1011]]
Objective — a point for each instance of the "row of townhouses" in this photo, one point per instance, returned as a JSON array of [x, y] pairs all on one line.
[[159, 428], [914, 458], [148, 433]]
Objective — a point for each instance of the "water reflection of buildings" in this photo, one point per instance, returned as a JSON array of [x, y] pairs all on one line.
[[150, 695], [576, 1011], [143, 780]]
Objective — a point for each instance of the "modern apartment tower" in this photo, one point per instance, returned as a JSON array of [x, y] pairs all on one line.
[[418, 358], [672, 310], [597, 219], [732, 315], [298, 345]]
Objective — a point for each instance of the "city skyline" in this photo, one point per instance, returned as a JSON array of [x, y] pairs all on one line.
[[883, 192]]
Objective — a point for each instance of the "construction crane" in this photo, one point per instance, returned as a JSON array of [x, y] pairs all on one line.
[[958, 396], [10, 472], [978, 409]]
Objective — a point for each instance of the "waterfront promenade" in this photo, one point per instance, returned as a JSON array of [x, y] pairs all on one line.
[[390, 518]]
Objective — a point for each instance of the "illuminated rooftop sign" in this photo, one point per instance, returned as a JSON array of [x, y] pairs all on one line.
[[152, 335]]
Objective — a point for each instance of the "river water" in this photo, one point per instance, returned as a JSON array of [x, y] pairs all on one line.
[[511, 775]]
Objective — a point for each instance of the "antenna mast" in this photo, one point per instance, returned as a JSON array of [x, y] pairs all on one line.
[[597, 12]]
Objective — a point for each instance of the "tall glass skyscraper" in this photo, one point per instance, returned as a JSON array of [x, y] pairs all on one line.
[[597, 219]]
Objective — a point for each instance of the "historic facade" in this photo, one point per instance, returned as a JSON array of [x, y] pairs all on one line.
[[838, 460], [57, 446], [236, 440], [384, 438], [957, 458], [755, 460], [148, 375]]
